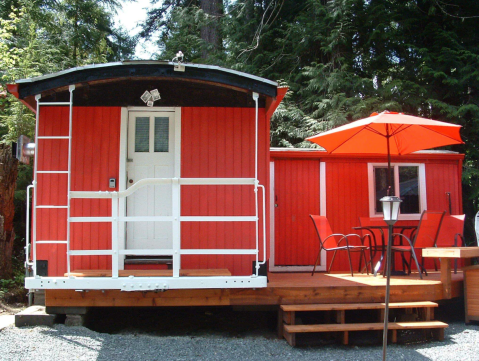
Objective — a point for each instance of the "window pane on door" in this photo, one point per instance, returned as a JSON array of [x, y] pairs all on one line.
[[409, 189], [380, 185], [162, 130], [142, 134]]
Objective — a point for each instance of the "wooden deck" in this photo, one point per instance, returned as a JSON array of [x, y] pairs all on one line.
[[283, 288]]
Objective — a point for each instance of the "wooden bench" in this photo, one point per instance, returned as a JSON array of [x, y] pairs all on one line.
[[152, 273], [288, 328]]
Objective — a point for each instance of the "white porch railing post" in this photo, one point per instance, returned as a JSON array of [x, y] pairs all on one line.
[[35, 189], [69, 184], [176, 225], [114, 237], [256, 182]]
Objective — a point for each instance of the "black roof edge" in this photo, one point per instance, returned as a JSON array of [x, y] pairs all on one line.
[[143, 69]]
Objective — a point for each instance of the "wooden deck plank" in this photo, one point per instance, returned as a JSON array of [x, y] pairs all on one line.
[[356, 306], [364, 326], [152, 273]]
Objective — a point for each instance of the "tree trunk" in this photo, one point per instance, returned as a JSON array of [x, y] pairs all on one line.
[[8, 179], [210, 33]]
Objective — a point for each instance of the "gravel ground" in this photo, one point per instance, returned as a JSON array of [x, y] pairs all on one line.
[[215, 334]]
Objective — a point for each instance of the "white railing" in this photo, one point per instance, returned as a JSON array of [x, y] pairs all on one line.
[[115, 219]]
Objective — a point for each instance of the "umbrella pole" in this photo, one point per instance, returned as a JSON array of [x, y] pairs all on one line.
[[388, 255], [388, 189], [386, 301]]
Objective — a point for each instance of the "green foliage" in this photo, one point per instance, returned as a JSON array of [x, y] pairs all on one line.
[[39, 37], [344, 59], [15, 285]]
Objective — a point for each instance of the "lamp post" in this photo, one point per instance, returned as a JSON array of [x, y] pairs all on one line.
[[390, 214]]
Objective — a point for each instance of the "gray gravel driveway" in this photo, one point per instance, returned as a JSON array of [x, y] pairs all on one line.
[[208, 342]]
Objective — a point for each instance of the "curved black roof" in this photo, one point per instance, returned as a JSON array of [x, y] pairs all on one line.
[[119, 84]]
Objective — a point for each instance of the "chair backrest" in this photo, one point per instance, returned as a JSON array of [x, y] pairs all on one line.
[[428, 229], [451, 225], [323, 230]]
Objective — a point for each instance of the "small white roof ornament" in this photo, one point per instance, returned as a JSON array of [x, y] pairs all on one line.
[[179, 60]]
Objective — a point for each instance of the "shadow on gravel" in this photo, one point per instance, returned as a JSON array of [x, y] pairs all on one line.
[[238, 322], [181, 321]]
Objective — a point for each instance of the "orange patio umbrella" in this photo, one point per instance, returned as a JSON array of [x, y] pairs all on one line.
[[388, 133]]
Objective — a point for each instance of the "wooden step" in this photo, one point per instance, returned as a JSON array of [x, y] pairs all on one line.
[[290, 331], [364, 326], [356, 306]]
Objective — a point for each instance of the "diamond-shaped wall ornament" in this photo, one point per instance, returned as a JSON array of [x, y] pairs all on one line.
[[146, 97], [155, 94], [149, 97]]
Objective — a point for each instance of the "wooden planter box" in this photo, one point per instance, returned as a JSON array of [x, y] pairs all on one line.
[[471, 293]]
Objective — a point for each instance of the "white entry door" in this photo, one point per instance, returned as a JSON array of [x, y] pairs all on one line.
[[151, 148]]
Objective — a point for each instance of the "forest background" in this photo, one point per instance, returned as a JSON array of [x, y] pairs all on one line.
[[341, 59]]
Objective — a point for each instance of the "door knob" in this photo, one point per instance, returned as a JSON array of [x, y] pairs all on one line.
[[131, 181]]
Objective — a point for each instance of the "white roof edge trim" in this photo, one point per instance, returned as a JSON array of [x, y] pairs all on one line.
[[426, 151], [145, 62]]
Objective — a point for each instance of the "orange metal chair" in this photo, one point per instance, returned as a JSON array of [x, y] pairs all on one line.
[[330, 241], [425, 236]]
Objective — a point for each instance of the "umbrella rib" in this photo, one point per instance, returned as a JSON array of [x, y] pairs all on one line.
[[444, 135], [401, 128], [353, 135]]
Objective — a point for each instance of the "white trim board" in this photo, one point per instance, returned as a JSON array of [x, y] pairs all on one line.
[[322, 207]]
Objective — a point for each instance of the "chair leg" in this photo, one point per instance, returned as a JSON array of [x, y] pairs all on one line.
[[413, 254], [422, 266], [360, 263], [365, 261], [317, 260], [350, 263], [405, 263], [332, 261]]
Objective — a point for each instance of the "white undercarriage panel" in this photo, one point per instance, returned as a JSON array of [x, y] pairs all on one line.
[[143, 283]]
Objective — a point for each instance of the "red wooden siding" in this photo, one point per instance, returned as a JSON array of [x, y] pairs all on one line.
[[346, 199], [220, 142], [296, 185], [441, 178], [95, 159], [347, 194]]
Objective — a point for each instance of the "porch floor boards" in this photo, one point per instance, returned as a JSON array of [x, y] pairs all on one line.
[[151, 273], [282, 289]]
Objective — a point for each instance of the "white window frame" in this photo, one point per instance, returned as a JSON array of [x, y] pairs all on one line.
[[422, 188]]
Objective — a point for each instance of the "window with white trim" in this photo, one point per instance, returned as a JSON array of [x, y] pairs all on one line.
[[407, 182]]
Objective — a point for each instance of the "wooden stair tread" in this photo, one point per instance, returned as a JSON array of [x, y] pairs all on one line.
[[355, 306], [364, 326], [151, 273]]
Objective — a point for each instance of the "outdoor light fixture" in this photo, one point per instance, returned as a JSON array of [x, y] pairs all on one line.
[[149, 97], [390, 214], [390, 209]]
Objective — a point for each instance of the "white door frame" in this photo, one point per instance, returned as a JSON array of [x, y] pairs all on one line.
[[322, 211], [122, 179]]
